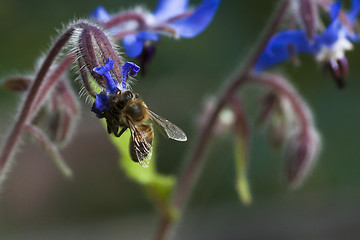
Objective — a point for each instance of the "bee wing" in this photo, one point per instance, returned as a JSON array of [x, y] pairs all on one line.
[[140, 145], [171, 130]]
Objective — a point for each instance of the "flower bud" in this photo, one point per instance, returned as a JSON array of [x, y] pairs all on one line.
[[93, 47], [339, 69], [18, 83], [300, 155], [64, 111], [283, 122], [268, 105]]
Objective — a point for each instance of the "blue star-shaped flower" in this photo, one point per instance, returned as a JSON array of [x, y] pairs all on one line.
[[174, 14], [328, 46], [102, 99]]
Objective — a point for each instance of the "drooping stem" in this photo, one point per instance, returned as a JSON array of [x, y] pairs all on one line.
[[53, 79], [52, 150], [195, 159], [279, 84], [125, 17], [8, 149], [123, 34]]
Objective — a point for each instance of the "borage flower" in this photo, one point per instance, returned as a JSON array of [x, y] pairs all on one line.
[[102, 99], [328, 48], [171, 17]]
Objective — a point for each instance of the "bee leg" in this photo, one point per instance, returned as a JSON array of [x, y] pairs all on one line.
[[121, 132], [109, 127]]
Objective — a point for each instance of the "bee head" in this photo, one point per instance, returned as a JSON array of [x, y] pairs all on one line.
[[122, 99]]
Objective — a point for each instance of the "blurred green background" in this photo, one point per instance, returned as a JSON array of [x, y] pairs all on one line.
[[100, 203]]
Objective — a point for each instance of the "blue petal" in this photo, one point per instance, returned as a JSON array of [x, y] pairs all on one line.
[[133, 44], [284, 39], [354, 11], [329, 36], [278, 48], [105, 71], [335, 10], [148, 36], [128, 68], [106, 68], [267, 60], [100, 104], [196, 23], [100, 14], [170, 8]]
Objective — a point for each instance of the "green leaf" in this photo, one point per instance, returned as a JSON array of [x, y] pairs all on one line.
[[242, 183], [157, 185]]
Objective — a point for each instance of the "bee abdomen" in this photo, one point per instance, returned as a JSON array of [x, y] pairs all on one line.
[[141, 143]]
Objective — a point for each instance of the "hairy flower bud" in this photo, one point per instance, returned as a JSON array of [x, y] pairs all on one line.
[[17, 83], [93, 47], [282, 121], [267, 106], [300, 154], [64, 111]]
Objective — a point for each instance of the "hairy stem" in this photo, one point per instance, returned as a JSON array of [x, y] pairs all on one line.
[[125, 17], [196, 159], [23, 117], [279, 84], [52, 150], [50, 83]]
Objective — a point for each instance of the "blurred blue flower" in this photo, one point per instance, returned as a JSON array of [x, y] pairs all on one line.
[[173, 15], [329, 46], [102, 99]]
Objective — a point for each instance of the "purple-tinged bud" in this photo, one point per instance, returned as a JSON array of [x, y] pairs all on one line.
[[283, 122], [309, 16], [93, 47], [339, 69], [267, 105], [276, 131], [64, 110], [301, 141], [18, 83], [301, 152]]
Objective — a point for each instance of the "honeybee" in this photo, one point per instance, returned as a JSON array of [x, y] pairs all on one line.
[[127, 110]]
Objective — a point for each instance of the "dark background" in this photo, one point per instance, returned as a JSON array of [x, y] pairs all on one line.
[[100, 203]]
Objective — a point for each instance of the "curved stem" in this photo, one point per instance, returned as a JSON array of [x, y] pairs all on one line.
[[125, 17], [195, 159], [281, 85], [123, 34], [52, 150], [53, 79], [8, 149], [241, 77]]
